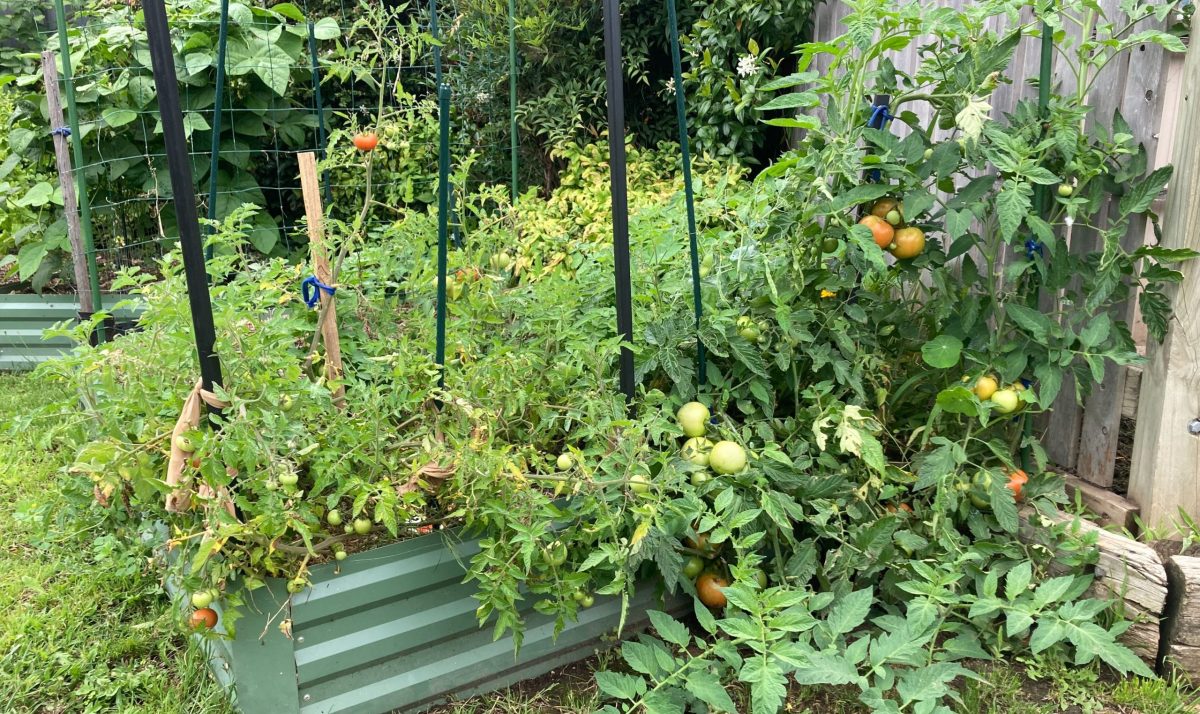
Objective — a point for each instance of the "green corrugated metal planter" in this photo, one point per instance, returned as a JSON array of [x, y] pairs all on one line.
[[395, 630], [23, 318]]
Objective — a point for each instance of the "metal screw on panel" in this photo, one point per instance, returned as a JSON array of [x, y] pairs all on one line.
[[307, 697], [300, 638], [1194, 427]]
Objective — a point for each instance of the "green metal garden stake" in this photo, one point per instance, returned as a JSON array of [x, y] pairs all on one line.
[[512, 93], [322, 140], [1041, 196], [85, 203], [218, 111], [688, 189], [443, 225]]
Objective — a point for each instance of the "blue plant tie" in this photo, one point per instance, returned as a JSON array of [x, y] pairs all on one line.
[[63, 131], [311, 289], [879, 116], [1033, 247]]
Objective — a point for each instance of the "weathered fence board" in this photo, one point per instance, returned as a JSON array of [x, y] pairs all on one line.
[[1166, 457]]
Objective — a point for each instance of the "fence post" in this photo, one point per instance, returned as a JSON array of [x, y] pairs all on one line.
[[1166, 449], [85, 204], [62, 155], [183, 193], [443, 225], [614, 77]]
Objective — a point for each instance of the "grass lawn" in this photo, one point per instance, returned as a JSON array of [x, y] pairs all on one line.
[[85, 627]]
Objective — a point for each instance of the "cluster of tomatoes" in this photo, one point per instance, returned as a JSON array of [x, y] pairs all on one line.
[[203, 617], [725, 458], [1004, 400], [886, 223]]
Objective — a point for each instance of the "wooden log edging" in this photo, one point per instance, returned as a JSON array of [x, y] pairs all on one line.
[[1181, 624]]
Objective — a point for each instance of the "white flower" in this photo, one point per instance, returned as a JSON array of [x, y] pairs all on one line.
[[482, 97], [747, 65], [670, 86]]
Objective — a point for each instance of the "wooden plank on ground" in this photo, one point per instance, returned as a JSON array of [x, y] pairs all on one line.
[[1166, 457], [1111, 508], [66, 179], [315, 214]]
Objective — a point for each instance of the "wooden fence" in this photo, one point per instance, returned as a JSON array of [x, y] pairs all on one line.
[[1145, 85]]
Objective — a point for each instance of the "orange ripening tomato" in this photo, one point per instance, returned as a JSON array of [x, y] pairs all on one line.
[[204, 618], [366, 141], [908, 243], [1016, 481], [708, 587], [884, 206], [881, 230]]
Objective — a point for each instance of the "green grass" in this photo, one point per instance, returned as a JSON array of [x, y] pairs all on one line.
[[84, 626]]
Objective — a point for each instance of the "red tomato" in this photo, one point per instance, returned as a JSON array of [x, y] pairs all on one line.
[[366, 141]]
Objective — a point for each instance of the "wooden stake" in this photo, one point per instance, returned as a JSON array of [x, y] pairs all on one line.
[[1166, 450], [311, 186], [66, 179]]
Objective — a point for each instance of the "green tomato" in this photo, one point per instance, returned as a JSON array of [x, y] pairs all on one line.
[[289, 478], [1066, 190], [348, 529], [340, 555], [696, 450], [760, 577], [699, 478], [750, 334], [185, 444], [829, 245], [893, 217], [565, 462], [639, 484], [693, 418], [727, 457], [201, 598], [928, 154], [578, 595], [362, 526], [555, 554], [296, 585], [333, 518], [693, 567], [287, 402], [587, 601], [1005, 401]]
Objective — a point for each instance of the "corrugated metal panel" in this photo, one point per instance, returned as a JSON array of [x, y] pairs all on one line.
[[23, 318], [394, 629]]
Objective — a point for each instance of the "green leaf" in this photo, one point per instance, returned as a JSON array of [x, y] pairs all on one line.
[[792, 80], [29, 259], [858, 195], [1052, 590], [1032, 321], [1017, 580], [326, 29], [669, 628], [38, 195], [768, 686], [272, 65], [810, 123], [1004, 506], [827, 669], [620, 686], [708, 689], [197, 62], [1013, 203], [116, 117], [850, 611], [1141, 195], [641, 658], [290, 11], [942, 352], [958, 223], [1047, 633], [792, 100], [958, 400]]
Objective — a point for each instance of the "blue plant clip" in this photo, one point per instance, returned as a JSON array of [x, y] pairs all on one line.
[[63, 131], [1033, 247], [311, 289]]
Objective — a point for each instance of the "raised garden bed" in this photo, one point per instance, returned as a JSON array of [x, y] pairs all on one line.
[[394, 629]]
